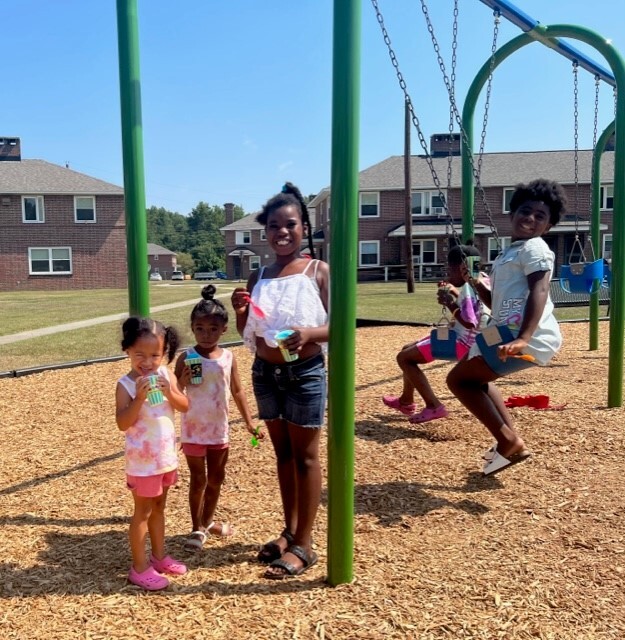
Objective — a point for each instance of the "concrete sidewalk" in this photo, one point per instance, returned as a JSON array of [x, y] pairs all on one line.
[[81, 324]]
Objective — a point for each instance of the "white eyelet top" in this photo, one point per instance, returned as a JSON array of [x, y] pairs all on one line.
[[290, 301]]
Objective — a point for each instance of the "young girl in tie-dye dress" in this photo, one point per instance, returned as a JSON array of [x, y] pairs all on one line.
[[204, 438]]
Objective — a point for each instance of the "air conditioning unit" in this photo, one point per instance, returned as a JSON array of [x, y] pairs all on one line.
[[439, 211]]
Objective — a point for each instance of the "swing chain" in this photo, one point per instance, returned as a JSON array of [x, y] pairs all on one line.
[[489, 86], [454, 59], [475, 171], [414, 118], [576, 143], [592, 167]]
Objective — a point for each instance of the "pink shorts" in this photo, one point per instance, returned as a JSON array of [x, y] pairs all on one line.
[[151, 486], [426, 350], [199, 450]]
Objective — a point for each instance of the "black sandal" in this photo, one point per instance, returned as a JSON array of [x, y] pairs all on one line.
[[272, 551], [308, 560]]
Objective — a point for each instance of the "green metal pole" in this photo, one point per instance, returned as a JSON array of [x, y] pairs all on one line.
[[595, 228], [132, 144], [545, 35], [344, 252], [617, 292], [468, 113]]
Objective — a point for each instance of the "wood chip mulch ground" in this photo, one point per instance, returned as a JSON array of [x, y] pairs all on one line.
[[440, 551]]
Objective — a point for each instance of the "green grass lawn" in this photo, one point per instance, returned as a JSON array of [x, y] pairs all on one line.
[[31, 310]]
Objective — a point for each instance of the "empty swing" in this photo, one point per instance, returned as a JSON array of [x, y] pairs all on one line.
[[582, 276]]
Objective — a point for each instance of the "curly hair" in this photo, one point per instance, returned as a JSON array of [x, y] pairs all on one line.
[[541, 190]]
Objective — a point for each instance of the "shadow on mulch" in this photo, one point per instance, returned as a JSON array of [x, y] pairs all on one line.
[[390, 502], [76, 564], [384, 430], [59, 474]]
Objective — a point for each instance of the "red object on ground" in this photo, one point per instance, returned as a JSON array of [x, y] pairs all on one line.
[[539, 402]]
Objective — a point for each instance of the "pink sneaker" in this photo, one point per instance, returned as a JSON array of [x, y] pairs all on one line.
[[168, 565], [148, 579], [394, 403]]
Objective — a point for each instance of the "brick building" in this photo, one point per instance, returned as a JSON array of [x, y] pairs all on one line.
[[381, 217], [161, 260], [60, 229]]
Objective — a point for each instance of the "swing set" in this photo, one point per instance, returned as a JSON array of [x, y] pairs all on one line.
[[344, 205]]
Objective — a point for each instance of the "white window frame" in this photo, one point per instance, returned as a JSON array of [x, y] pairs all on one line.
[[76, 220], [426, 203], [493, 249], [41, 212], [254, 263], [263, 234], [418, 251], [606, 240], [604, 196], [243, 237], [51, 272], [505, 206], [376, 195], [361, 244]]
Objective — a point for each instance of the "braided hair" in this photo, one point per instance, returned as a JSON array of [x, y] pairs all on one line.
[[135, 328], [290, 195], [209, 306]]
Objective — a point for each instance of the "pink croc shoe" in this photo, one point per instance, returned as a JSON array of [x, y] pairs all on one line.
[[148, 579], [394, 403], [168, 565], [427, 414]]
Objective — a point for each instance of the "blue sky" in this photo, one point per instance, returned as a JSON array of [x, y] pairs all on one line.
[[236, 95]]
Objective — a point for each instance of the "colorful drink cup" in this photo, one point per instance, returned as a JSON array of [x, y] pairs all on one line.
[[155, 395], [280, 337], [194, 362]]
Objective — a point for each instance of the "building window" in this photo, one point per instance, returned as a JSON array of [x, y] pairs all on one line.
[[424, 251], [263, 234], [369, 205], [254, 263], [606, 197], [243, 237], [493, 249], [32, 209], [427, 203], [507, 196], [607, 246], [369, 253], [84, 209], [50, 260]]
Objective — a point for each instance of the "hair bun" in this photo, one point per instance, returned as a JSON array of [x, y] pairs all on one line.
[[208, 292]]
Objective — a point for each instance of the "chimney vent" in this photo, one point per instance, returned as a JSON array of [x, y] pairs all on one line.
[[444, 144], [10, 150], [229, 207]]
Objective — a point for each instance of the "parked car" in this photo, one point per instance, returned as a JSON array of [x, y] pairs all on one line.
[[222, 275], [155, 275], [177, 275], [205, 275]]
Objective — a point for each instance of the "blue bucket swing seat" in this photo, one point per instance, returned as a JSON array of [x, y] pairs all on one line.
[[443, 340], [582, 276]]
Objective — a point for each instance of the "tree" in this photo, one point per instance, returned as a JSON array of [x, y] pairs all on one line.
[[185, 262]]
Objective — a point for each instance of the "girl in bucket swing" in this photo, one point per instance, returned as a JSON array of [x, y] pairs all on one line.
[[523, 320], [458, 296]]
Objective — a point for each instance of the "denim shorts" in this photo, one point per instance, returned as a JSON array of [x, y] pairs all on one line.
[[294, 391]]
